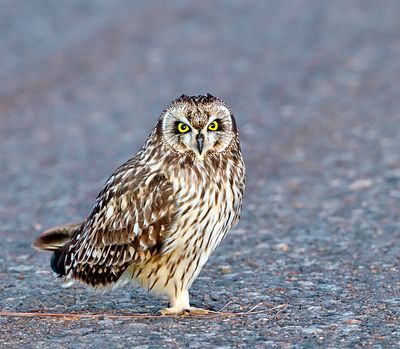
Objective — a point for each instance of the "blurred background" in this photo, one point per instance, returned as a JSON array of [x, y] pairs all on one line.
[[315, 89]]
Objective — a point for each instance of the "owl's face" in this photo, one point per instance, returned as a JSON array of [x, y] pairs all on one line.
[[197, 125]]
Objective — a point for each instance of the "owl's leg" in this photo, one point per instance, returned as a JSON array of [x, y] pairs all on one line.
[[179, 305]]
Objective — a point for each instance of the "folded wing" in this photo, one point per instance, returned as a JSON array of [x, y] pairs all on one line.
[[128, 225]]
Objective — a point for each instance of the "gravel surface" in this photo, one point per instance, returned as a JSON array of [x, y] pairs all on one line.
[[315, 87]]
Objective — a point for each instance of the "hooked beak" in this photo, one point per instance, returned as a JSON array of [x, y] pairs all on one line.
[[200, 141]]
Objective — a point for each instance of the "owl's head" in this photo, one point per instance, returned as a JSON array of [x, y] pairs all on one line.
[[197, 125]]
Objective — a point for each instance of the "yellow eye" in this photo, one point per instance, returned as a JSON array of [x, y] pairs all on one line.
[[213, 126], [183, 128]]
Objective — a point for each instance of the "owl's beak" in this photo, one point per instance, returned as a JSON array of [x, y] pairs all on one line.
[[200, 142]]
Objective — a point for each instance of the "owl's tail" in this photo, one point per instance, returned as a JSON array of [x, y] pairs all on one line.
[[55, 239]]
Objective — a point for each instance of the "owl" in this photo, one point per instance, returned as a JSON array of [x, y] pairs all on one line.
[[161, 214]]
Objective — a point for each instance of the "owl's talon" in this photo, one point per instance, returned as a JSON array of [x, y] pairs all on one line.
[[192, 311], [171, 311]]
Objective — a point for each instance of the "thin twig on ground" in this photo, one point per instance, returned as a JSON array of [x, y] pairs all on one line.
[[219, 313]]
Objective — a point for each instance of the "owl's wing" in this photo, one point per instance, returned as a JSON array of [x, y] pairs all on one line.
[[130, 221]]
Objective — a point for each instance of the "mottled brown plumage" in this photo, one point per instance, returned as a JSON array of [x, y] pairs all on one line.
[[162, 213]]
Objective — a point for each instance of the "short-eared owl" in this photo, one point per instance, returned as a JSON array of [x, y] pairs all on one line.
[[161, 214]]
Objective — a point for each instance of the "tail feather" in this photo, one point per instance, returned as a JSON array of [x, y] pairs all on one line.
[[55, 239]]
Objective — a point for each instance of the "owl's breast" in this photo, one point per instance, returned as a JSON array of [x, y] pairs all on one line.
[[208, 205]]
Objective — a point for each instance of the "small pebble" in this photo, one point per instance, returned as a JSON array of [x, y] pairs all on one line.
[[225, 270], [361, 184]]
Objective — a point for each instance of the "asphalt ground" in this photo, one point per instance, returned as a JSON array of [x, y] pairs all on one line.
[[315, 89]]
